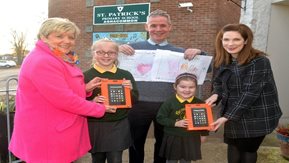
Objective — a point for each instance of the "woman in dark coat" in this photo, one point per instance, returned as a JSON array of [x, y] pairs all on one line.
[[245, 85]]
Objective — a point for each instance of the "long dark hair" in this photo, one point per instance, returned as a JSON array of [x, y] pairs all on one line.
[[245, 55]]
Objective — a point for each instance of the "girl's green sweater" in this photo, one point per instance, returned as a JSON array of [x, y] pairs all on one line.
[[120, 74]]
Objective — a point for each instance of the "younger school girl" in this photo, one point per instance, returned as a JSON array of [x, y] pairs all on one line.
[[179, 144], [109, 135]]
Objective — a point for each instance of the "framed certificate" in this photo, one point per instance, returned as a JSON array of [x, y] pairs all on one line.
[[199, 116], [116, 94]]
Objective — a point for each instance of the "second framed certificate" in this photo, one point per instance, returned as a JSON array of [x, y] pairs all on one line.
[[199, 116], [116, 94]]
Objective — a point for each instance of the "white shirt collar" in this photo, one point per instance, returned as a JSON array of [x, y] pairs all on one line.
[[164, 43]]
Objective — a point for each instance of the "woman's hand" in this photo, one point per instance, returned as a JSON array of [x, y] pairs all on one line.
[[182, 123], [211, 100], [92, 84], [99, 99], [216, 125], [110, 109]]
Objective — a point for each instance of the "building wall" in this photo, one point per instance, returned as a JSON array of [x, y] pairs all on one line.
[[195, 29], [269, 21], [257, 16], [227, 12], [278, 39]]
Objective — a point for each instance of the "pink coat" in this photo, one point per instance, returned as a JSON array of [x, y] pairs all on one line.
[[50, 123]]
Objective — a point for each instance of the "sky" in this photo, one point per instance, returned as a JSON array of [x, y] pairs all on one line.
[[22, 16]]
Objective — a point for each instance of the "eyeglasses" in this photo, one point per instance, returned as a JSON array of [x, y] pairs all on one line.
[[103, 53]]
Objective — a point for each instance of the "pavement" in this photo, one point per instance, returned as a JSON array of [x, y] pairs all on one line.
[[214, 150]]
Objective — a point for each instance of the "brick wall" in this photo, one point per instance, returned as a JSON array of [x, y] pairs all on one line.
[[197, 29]]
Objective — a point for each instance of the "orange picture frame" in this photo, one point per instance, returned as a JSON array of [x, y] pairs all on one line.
[[199, 116], [115, 93]]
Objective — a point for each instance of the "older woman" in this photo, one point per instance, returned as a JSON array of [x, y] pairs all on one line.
[[50, 121]]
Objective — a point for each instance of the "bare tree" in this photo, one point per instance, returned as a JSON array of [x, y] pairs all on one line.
[[19, 45]]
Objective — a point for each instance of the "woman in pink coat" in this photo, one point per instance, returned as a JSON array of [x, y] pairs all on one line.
[[50, 123]]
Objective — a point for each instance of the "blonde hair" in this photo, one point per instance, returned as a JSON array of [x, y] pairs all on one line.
[[57, 25], [98, 42], [104, 40]]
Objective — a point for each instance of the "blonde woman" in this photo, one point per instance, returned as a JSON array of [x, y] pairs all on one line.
[[50, 121]]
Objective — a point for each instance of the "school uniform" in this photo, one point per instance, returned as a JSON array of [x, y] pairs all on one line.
[[179, 143], [112, 131]]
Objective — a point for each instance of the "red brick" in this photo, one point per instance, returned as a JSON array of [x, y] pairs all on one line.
[[197, 29]]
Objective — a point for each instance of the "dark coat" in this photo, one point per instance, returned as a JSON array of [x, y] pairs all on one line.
[[249, 98]]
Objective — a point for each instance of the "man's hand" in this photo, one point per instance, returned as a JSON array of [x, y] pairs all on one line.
[[191, 53], [126, 49]]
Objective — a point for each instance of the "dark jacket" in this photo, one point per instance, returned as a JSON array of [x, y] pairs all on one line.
[[249, 98]]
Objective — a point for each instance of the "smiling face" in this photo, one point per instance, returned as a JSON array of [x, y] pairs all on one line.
[[186, 88], [233, 43], [62, 41], [59, 34], [158, 28], [105, 54]]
